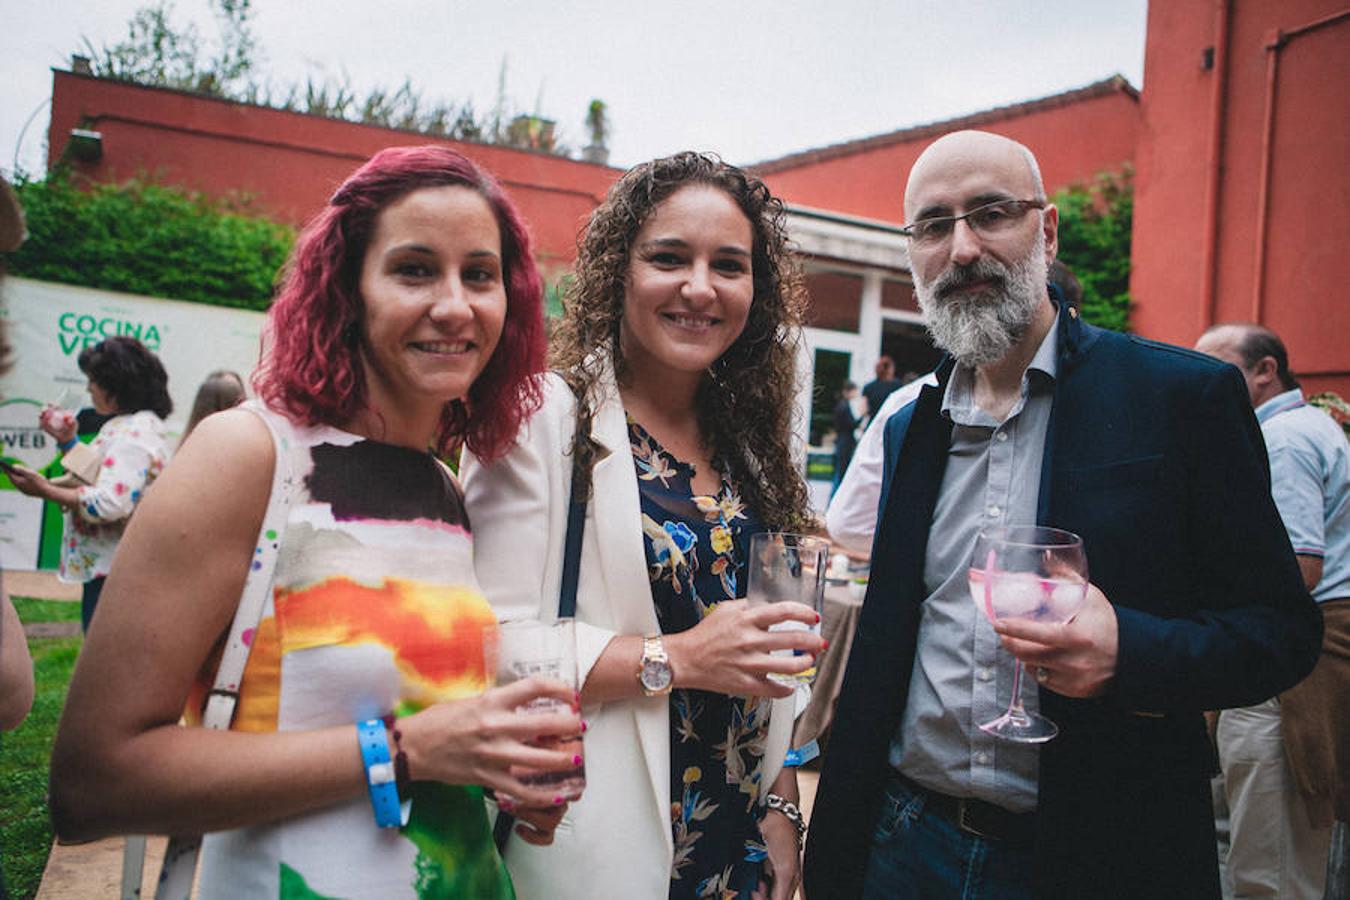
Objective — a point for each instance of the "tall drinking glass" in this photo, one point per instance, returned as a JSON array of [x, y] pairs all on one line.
[[520, 650], [788, 567], [1027, 572]]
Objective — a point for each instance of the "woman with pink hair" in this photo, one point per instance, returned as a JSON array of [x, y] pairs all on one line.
[[409, 320]]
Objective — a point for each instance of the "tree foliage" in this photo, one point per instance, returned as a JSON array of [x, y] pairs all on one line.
[[158, 53], [150, 239], [1094, 241]]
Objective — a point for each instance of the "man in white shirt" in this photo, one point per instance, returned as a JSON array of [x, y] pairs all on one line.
[[851, 516]]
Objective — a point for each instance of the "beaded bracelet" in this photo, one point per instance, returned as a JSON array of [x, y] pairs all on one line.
[[401, 777]]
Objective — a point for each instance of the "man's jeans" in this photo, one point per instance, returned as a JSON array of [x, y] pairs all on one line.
[[919, 854]]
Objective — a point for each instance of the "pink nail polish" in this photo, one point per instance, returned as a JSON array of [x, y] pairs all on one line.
[[584, 726], [557, 801], [576, 760]]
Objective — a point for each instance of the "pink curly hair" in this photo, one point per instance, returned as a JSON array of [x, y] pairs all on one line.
[[311, 367]]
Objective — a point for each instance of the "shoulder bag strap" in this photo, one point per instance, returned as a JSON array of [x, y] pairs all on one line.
[[576, 528], [180, 859]]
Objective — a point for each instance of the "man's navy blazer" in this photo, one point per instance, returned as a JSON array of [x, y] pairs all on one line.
[[1154, 457]]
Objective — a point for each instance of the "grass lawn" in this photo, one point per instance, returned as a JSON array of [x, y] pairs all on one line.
[[32, 610], [25, 753]]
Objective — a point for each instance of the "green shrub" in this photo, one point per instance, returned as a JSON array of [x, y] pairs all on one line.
[[145, 238], [1094, 241]]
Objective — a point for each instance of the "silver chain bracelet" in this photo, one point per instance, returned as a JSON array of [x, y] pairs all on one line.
[[790, 810]]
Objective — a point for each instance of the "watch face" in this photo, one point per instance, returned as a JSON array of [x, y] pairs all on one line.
[[655, 675]]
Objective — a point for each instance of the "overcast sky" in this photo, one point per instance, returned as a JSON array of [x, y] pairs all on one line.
[[749, 79]]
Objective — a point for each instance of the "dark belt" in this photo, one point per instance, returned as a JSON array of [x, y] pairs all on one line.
[[977, 817]]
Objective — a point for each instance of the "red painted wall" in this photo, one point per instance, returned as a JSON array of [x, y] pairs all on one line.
[[289, 163], [1195, 264], [1073, 141]]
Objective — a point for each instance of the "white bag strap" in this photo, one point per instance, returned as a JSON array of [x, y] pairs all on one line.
[[224, 696], [180, 859]]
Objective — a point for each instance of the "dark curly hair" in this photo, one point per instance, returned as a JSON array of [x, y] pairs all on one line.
[[129, 373], [746, 399], [312, 365]]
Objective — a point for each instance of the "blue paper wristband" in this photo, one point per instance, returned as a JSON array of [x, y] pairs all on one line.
[[801, 755], [380, 776], [68, 444]]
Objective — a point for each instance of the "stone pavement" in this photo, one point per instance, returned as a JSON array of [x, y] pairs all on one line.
[[39, 584], [94, 871], [44, 586]]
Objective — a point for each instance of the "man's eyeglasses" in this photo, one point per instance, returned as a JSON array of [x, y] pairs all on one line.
[[989, 220]]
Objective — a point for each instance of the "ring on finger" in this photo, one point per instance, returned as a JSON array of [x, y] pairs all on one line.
[[1042, 674]]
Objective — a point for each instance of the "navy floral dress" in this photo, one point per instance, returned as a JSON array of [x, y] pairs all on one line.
[[696, 546]]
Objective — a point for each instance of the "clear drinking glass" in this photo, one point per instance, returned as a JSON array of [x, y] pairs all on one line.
[[519, 650], [788, 567], [1027, 572], [57, 413]]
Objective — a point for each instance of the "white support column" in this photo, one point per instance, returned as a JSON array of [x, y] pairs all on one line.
[[801, 413], [869, 329]]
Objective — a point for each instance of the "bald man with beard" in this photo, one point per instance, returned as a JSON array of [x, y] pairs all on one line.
[[1148, 452]]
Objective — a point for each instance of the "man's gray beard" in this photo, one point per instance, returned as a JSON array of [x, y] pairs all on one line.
[[980, 328]]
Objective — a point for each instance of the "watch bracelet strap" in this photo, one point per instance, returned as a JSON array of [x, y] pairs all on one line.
[[180, 857], [654, 650]]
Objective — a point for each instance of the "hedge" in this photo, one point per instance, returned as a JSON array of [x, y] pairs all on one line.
[[144, 238]]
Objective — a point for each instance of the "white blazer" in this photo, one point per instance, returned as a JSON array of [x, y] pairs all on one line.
[[616, 840]]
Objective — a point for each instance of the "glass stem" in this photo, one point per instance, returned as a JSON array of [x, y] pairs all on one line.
[[1015, 710]]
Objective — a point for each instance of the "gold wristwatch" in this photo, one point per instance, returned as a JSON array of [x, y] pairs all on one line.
[[654, 674]]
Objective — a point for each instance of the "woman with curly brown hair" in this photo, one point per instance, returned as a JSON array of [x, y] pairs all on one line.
[[677, 372]]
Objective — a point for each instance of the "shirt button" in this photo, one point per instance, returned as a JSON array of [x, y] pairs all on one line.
[[1002, 435], [994, 512], [982, 758], [985, 674]]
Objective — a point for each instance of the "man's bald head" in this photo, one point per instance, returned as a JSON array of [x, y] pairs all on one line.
[[972, 153], [1258, 353], [981, 283]]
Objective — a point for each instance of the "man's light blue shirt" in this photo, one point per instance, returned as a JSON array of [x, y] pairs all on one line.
[[1310, 481]]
